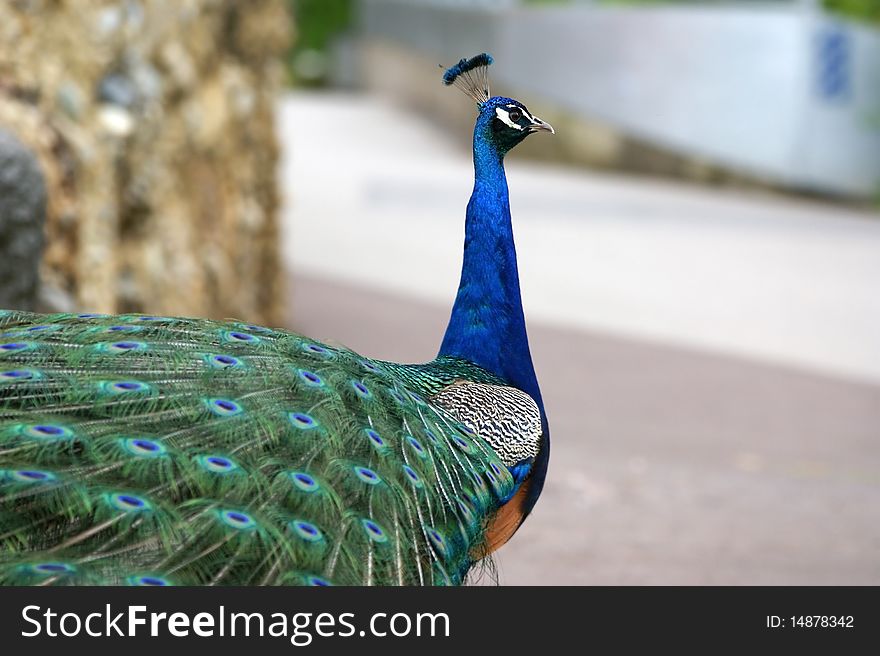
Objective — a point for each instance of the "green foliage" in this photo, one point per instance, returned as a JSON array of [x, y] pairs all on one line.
[[866, 10], [317, 23], [863, 10]]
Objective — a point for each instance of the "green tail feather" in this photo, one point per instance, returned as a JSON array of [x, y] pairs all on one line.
[[150, 450]]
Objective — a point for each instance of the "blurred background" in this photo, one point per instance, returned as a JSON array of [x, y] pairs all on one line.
[[699, 243]]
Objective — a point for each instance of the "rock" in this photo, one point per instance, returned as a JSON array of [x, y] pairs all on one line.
[[117, 89], [153, 124], [71, 100], [22, 217], [116, 120]]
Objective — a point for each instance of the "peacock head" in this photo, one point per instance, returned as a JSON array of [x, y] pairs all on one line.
[[502, 122]]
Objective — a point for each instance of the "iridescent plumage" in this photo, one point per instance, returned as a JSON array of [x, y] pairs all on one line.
[[148, 450], [210, 452]]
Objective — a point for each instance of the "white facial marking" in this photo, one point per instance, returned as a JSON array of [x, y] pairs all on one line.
[[524, 112], [504, 115]]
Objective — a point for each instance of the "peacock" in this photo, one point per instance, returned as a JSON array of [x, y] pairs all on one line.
[[153, 450]]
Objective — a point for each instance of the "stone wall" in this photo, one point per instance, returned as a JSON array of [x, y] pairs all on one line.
[[153, 123]]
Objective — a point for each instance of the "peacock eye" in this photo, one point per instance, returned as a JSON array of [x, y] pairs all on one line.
[[515, 115]]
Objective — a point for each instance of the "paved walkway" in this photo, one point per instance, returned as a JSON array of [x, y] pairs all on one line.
[[675, 459]]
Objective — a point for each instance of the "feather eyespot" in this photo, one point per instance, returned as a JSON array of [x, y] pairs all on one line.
[[125, 387], [437, 540], [307, 531], [412, 475], [317, 581], [150, 581], [397, 396], [416, 445], [361, 389], [302, 421], [237, 520], [217, 464], [238, 337], [374, 438], [19, 375], [52, 568], [462, 443], [129, 503], [223, 361], [48, 432], [224, 407], [15, 346], [143, 448], [33, 476], [315, 349], [146, 445], [304, 482], [125, 347], [257, 329], [374, 531], [368, 476], [310, 378]]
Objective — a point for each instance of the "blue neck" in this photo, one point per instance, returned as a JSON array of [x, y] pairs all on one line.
[[487, 326]]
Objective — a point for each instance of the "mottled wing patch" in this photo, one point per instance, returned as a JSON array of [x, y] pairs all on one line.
[[507, 418]]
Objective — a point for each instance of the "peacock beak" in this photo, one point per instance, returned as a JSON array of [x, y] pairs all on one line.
[[537, 125]]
